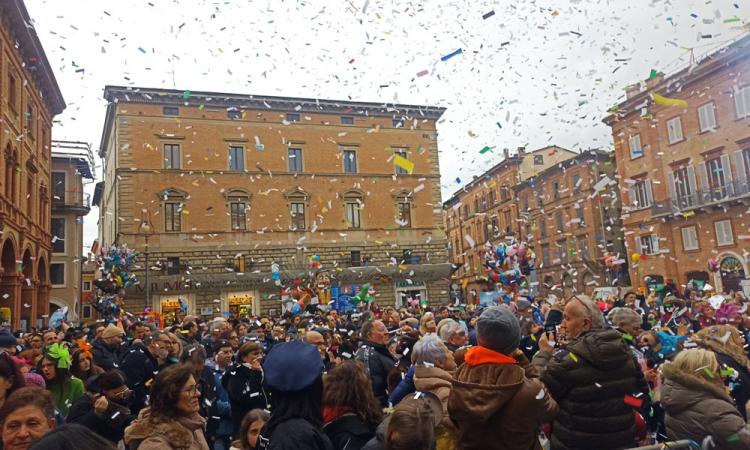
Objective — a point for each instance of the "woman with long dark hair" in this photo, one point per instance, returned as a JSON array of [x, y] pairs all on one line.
[[64, 387], [351, 412], [252, 423], [82, 365], [171, 421], [293, 372]]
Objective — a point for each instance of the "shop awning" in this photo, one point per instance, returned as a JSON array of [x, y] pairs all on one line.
[[262, 280]]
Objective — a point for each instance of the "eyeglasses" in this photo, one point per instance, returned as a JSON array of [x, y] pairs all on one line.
[[122, 394], [192, 390]]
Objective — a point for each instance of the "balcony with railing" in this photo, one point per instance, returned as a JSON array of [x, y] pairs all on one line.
[[71, 201], [732, 190]]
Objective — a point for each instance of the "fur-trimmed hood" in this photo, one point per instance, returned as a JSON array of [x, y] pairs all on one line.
[[682, 390], [179, 433]]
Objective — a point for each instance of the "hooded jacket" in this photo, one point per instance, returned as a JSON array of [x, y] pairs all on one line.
[[498, 401], [696, 408], [104, 356], [590, 379], [184, 433], [439, 382], [348, 432]]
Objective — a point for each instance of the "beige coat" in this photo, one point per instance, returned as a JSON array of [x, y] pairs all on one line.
[[184, 433], [438, 382]]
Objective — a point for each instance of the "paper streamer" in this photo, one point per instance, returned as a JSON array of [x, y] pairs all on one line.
[[403, 163], [664, 101]]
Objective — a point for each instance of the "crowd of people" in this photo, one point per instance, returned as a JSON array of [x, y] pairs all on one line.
[[532, 373]]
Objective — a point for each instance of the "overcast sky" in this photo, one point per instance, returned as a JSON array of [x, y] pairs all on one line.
[[532, 74]]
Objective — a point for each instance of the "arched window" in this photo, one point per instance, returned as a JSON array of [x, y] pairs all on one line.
[[174, 203], [353, 204], [239, 204], [403, 210], [298, 200]]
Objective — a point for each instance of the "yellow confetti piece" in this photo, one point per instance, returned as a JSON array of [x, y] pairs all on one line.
[[664, 101], [573, 357], [402, 267], [403, 163], [186, 212], [324, 210]]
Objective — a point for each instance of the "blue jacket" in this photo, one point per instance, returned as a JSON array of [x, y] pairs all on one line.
[[223, 408], [404, 388]]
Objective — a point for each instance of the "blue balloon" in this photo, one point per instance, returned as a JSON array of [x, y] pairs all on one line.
[[296, 309]]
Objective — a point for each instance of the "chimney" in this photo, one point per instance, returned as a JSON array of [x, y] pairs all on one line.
[[521, 151], [632, 90], [657, 80], [505, 153]]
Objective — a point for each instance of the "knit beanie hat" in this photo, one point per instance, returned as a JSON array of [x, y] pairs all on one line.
[[498, 330]]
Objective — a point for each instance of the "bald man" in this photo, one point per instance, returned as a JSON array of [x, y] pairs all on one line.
[[317, 339]]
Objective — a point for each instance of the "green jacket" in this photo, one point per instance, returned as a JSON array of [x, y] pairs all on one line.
[[65, 393]]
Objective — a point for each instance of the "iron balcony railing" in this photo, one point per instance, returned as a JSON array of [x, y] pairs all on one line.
[[71, 199], [719, 194]]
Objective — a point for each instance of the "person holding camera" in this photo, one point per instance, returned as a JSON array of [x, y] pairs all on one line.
[[105, 407], [591, 372]]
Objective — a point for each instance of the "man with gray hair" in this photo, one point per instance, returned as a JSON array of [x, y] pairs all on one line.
[[497, 400], [593, 377], [453, 334]]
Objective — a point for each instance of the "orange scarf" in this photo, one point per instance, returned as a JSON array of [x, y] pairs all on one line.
[[482, 355]]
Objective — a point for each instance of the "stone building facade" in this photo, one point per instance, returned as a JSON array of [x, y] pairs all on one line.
[[486, 210], [29, 100], [72, 163], [223, 185], [570, 214], [683, 169]]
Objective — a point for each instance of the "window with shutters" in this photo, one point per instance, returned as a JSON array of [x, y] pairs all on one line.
[[634, 143], [295, 160], [171, 156], [350, 161], [717, 176], [172, 211], [641, 194], [495, 227], [724, 234], [492, 197], [556, 190], [576, 180], [674, 130], [583, 247], [352, 206], [545, 254], [236, 155], [707, 117], [297, 210], [542, 227], [580, 215], [683, 186], [237, 213], [403, 210], [742, 101], [559, 221], [648, 245], [689, 238]]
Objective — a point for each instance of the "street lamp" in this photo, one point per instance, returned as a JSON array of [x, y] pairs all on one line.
[[146, 232]]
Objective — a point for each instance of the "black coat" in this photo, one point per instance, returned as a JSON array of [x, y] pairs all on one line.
[[590, 379], [741, 385], [139, 367], [105, 357], [348, 432], [379, 362], [293, 434], [110, 425], [245, 389]]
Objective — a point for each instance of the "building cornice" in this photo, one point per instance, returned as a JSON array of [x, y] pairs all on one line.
[[32, 53], [173, 97], [710, 64]]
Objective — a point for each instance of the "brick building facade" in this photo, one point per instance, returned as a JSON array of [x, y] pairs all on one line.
[[486, 209], [29, 100], [230, 183], [684, 170], [570, 214], [72, 162]]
